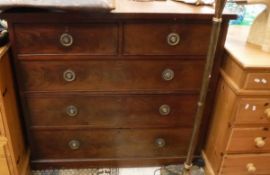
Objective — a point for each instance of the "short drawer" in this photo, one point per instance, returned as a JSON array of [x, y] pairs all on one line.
[[249, 140], [102, 143], [166, 38], [246, 164], [92, 39], [111, 75], [257, 81], [253, 111], [112, 111]]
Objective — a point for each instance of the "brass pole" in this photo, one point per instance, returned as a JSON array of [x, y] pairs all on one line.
[[217, 20]]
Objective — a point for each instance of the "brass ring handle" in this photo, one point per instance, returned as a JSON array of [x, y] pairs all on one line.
[[251, 168], [267, 112], [74, 144], [66, 40], [160, 142], [164, 109], [259, 141], [168, 74], [69, 75], [173, 39], [72, 111]]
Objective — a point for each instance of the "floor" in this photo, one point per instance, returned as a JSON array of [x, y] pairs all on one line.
[[102, 171], [170, 170], [139, 171]]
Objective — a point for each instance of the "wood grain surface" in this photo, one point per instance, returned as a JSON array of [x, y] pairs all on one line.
[[111, 111], [111, 75]]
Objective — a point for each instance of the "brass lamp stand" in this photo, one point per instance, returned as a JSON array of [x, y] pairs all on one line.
[[217, 21]]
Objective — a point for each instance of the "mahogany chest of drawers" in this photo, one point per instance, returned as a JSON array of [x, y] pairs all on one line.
[[112, 89]]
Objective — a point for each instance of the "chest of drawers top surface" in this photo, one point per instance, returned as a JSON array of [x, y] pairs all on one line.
[[149, 9]]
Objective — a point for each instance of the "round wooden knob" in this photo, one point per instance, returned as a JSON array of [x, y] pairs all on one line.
[[267, 112], [164, 109], [259, 142], [74, 144], [173, 39], [66, 40], [69, 75], [160, 142], [168, 74], [72, 111], [251, 168]]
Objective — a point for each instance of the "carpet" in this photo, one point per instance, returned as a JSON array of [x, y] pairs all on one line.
[[101, 171]]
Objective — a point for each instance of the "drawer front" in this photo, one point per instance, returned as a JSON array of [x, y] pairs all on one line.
[[246, 165], [258, 81], [112, 111], [78, 144], [249, 140], [92, 39], [166, 39], [253, 111], [111, 75]]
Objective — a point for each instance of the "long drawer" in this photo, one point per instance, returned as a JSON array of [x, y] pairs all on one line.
[[111, 75], [249, 140], [246, 164], [112, 111], [102, 143], [91, 39]]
